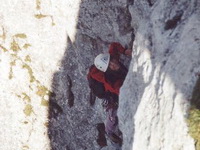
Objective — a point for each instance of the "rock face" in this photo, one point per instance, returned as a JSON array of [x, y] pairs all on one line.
[[46, 48], [73, 114], [153, 108]]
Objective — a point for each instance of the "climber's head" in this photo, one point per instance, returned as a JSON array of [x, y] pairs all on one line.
[[103, 61], [114, 64]]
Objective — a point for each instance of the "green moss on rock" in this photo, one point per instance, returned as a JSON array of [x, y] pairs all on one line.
[[194, 115]]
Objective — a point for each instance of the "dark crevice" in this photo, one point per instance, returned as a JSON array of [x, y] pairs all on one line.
[[164, 62], [132, 38], [55, 110], [54, 107], [130, 2], [130, 44], [167, 52], [150, 41], [101, 138], [150, 3], [92, 98], [172, 23], [124, 21], [70, 95]]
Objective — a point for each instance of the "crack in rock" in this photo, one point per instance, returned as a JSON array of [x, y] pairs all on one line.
[[172, 23], [70, 94]]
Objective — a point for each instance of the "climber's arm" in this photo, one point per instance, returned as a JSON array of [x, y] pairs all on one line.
[[117, 49]]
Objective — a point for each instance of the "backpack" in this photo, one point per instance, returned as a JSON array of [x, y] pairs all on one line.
[[96, 87]]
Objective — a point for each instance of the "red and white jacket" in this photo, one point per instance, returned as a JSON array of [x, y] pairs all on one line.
[[115, 49]]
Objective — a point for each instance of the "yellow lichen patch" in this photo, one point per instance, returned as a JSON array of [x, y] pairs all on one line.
[[46, 124], [39, 16], [28, 58], [53, 24], [14, 55], [26, 46], [38, 82], [30, 72], [13, 63], [15, 46], [25, 122], [42, 91], [25, 147], [38, 3], [3, 48], [26, 97], [28, 110], [3, 36], [44, 102], [19, 96], [21, 35], [10, 73]]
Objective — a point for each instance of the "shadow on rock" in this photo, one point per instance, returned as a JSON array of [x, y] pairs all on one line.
[[73, 115]]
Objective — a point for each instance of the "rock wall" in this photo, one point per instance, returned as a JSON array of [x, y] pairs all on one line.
[[32, 43], [46, 48], [153, 108], [73, 113]]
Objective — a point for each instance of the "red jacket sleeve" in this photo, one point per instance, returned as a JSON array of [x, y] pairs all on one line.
[[99, 76], [116, 48], [115, 87]]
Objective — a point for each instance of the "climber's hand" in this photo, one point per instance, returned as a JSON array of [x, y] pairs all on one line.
[[128, 52]]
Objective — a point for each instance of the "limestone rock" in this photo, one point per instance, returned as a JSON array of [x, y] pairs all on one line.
[[153, 108], [46, 48]]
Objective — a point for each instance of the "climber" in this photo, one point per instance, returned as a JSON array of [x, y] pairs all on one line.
[[105, 78], [109, 71]]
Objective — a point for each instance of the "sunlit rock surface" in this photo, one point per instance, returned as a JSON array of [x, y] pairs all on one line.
[[155, 96], [32, 44]]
